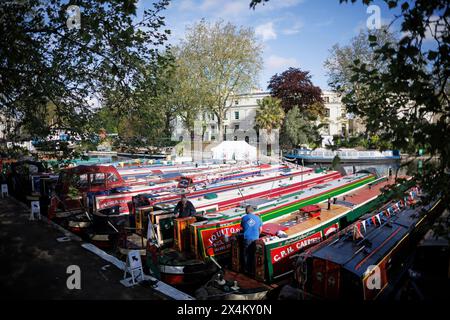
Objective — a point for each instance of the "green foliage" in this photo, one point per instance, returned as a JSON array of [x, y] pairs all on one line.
[[269, 115], [339, 64], [223, 60], [298, 130], [44, 63], [407, 100], [336, 162], [361, 141]]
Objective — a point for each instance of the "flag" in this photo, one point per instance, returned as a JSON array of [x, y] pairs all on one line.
[[357, 231], [378, 218], [374, 220], [364, 225]]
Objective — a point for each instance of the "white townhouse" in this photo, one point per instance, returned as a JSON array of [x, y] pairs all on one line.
[[240, 119]]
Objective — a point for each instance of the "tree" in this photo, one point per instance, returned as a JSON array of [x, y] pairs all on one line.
[[298, 130], [269, 116], [46, 58], [339, 64], [408, 100], [225, 60], [295, 88]]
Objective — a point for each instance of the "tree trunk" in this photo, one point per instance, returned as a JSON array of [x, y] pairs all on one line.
[[192, 134], [168, 128], [220, 128]]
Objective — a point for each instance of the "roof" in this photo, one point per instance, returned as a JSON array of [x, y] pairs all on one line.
[[357, 256], [229, 145], [83, 169]]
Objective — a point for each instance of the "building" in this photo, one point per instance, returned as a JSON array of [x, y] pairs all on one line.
[[239, 120]]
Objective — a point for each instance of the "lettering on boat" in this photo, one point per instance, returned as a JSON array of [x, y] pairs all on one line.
[[108, 203], [282, 252], [215, 237]]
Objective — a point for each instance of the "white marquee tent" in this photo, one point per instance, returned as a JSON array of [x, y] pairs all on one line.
[[234, 150]]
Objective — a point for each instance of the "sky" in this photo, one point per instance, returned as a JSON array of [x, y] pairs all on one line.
[[294, 33]]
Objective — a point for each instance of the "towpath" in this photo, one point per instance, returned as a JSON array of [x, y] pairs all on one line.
[[33, 264]]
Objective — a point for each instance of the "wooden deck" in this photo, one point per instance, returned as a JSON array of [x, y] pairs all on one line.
[[325, 215]]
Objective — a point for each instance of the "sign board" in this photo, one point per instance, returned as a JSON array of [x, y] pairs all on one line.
[[35, 210], [4, 190], [134, 260], [133, 266]]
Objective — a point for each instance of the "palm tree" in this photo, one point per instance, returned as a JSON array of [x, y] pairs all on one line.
[[269, 116]]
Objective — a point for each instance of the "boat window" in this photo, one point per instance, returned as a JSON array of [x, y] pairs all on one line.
[[111, 177], [97, 179], [80, 181]]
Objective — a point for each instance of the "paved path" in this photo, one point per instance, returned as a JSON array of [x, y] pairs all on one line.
[[33, 263]]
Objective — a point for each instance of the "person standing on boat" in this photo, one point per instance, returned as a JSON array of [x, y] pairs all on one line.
[[184, 208], [251, 225]]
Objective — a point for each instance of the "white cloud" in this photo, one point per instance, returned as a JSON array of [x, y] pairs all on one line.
[[186, 5], [208, 4], [294, 29], [276, 62], [266, 31], [235, 7]]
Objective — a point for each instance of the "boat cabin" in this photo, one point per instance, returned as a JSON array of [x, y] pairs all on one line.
[[89, 179], [363, 266]]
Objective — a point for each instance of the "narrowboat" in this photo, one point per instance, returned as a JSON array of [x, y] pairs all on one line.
[[198, 241], [366, 260], [211, 204], [102, 199], [284, 238], [322, 155], [193, 185]]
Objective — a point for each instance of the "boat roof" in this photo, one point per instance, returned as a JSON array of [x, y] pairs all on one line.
[[83, 169], [357, 256], [344, 204], [233, 213], [283, 180]]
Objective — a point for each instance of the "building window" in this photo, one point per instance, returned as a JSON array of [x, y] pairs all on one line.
[[236, 115], [326, 99], [236, 102], [326, 129], [213, 138], [327, 112], [235, 138], [212, 117], [236, 127], [213, 128], [247, 139]]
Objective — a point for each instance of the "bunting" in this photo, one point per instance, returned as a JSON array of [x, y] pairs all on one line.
[[364, 225], [390, 210], [378, 218]]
